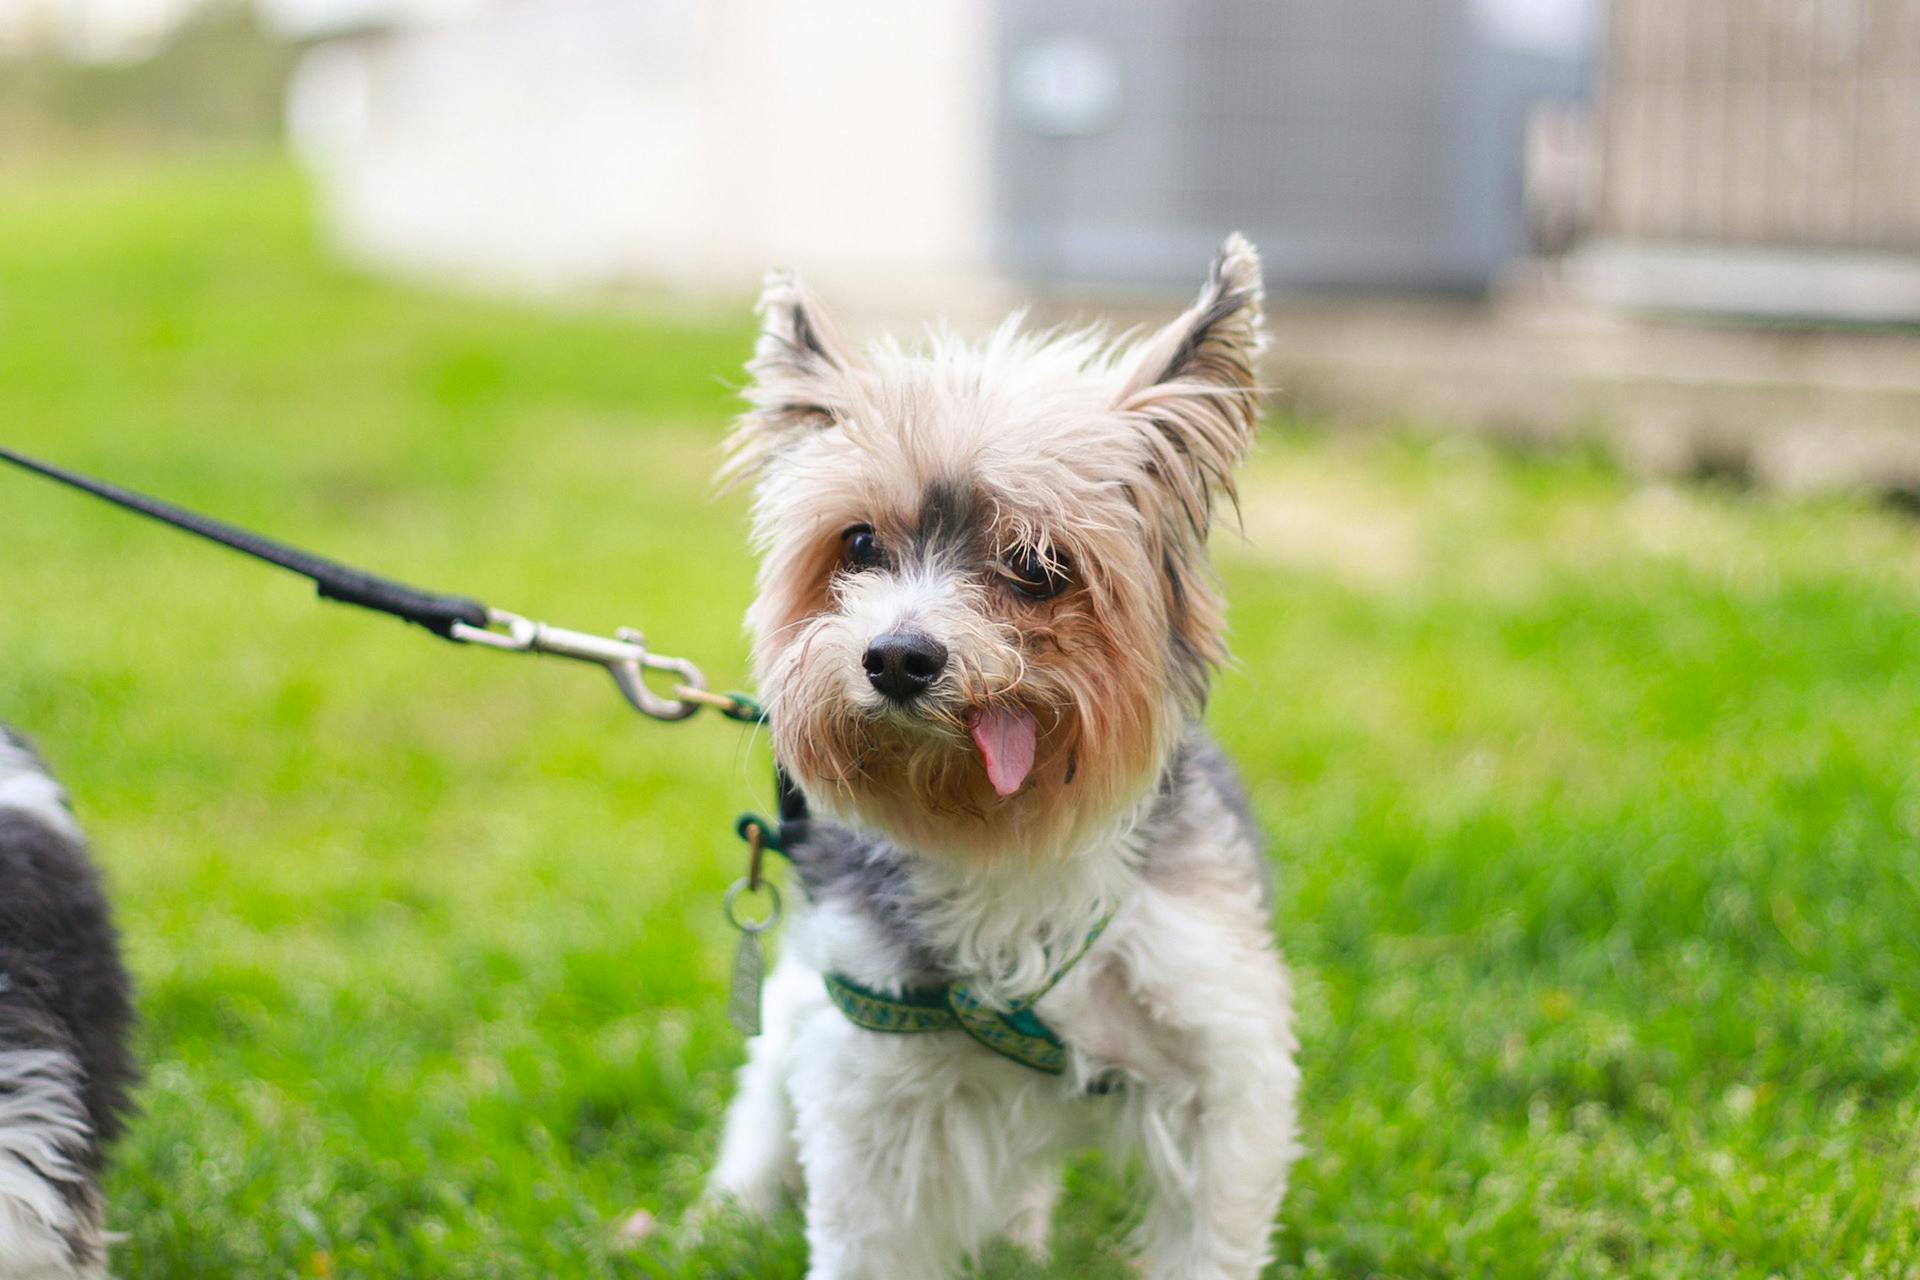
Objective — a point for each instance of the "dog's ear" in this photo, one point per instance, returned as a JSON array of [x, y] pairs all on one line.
[[1193, 389], [798, 365]]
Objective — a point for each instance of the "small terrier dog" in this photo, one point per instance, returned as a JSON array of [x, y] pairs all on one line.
[[65, 1011], [1035, 907]]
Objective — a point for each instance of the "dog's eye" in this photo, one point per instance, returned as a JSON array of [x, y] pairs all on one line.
[[862, 549], [1035, 576]]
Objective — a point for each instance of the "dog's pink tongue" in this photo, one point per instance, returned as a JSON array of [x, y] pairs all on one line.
[[1005, 738]]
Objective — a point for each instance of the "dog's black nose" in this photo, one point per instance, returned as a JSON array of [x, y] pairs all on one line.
[[901, 665]]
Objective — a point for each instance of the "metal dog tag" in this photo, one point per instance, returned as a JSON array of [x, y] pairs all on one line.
[[749, 962], [743, 1006]]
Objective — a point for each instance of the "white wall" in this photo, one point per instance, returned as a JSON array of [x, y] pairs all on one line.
[[852, 136], [567, 144]]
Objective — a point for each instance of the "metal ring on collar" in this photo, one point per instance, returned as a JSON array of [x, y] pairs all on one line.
[[772, 917]]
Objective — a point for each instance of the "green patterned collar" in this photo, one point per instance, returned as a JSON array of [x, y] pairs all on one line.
[[1016, 1033]]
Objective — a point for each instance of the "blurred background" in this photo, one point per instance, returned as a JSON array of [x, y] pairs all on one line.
[[1575, 615], [1689, 227]]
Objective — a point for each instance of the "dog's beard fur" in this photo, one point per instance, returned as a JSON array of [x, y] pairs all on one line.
[[1104, 459]]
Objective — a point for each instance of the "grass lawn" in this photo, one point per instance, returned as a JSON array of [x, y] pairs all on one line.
[[1595, 808]]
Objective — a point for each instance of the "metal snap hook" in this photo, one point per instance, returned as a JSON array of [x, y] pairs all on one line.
[[624, 656], [630, 676]]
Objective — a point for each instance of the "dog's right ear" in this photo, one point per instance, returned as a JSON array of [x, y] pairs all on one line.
[[1193, 389], [798, 369]]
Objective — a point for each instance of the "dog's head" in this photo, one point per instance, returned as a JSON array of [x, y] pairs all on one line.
[[985, 609]]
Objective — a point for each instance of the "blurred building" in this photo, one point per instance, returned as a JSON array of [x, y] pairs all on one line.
[[938, 146], [1749, 157]]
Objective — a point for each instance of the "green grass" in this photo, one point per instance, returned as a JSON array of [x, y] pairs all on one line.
[[1595, 809]]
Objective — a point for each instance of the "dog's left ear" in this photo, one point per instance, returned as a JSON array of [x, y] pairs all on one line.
[[799, 365], [1193, 388]]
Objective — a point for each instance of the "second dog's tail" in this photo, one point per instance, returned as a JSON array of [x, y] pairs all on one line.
[[28, 786], [65, 1013]]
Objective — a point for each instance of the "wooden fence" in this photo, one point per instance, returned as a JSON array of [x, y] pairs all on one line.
[[1776, 123]]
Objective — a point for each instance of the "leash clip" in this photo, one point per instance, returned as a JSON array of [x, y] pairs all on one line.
[[624, 656]]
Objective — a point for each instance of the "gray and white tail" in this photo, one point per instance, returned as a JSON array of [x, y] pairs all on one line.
[[65, 1014]]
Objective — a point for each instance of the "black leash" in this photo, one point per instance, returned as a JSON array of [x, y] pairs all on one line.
[[333, 580], [461, 619], [465, 620]]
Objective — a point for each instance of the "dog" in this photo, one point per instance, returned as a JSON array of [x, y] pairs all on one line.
[[1035, 906], [65, 1013]]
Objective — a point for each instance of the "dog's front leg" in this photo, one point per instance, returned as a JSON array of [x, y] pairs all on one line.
[[862, 1219], [1219, 1141], [872, 1153], [1217, 1190], [911, 1152]]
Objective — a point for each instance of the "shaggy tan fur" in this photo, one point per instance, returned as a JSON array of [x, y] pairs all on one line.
[[1105, 457]]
